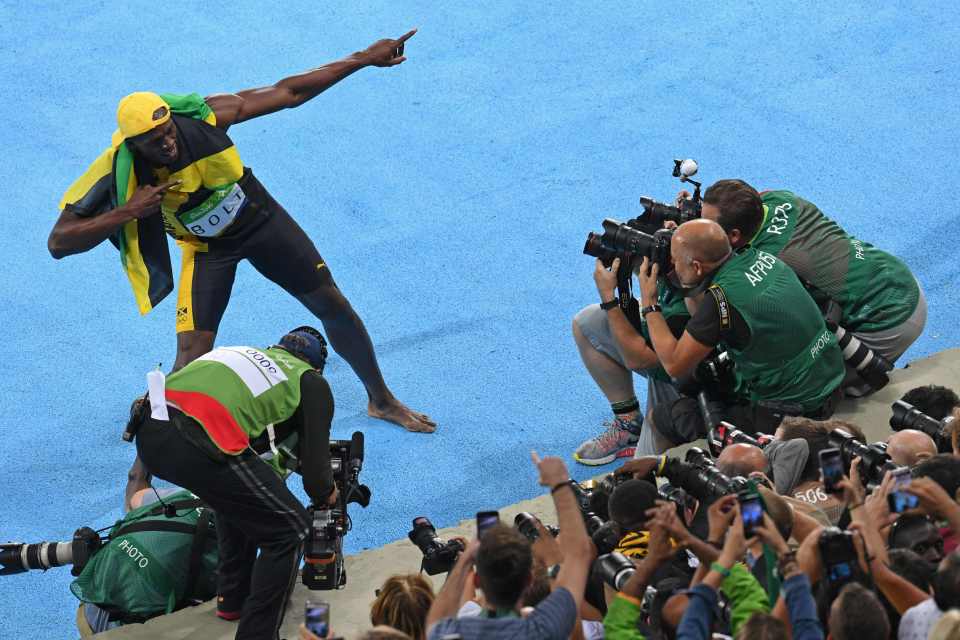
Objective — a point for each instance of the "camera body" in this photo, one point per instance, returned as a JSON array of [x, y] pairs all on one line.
[[725, 434], [874, 460], [906, 416], [323, 550], [439, 556]]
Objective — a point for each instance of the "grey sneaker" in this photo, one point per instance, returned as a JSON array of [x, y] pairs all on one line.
[[618, 441]]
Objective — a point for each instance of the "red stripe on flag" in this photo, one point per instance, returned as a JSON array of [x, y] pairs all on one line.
[[215, 418]]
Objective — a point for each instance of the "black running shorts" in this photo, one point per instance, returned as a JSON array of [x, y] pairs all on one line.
[[276, 246]]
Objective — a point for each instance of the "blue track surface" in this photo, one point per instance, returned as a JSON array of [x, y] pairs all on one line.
[[451, 196]]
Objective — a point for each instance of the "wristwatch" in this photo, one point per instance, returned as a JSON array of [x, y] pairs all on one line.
[[610, 304], [654, 308]]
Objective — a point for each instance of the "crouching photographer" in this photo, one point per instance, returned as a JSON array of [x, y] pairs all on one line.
[[161, 557], [751, 305], [197, 433]]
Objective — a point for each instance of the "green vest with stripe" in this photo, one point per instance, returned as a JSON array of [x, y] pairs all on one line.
[[236, 392], [875, 289], [791, 357]]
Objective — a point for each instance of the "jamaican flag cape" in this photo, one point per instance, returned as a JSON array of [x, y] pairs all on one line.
[[207, 163]]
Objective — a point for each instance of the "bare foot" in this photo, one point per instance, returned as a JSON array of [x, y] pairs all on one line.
[[399, 413]]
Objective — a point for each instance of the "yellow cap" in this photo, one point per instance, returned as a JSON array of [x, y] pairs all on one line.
[[140, 112]]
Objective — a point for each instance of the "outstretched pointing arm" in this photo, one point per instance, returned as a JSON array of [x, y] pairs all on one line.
[[233, 108]]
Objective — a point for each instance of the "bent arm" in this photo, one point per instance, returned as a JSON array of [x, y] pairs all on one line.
[[636, 352], [316, 404], [75, 234], [678, 357], [290, 92]]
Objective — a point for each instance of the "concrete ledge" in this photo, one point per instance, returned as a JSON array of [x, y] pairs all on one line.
[[350, 608]]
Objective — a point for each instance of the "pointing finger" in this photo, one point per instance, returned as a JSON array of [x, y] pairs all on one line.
[[535, 457], [407, 35]]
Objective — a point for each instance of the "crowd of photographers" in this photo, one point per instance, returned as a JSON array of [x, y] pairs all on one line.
[[844, 539]]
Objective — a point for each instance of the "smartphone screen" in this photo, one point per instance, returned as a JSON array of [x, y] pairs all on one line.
[[316, 618], [900, 501], [485, 520], [751, 512], [831, 466], [901, 478]]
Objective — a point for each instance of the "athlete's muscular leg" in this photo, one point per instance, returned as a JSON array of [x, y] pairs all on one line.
[[349, 338], [191, 345]]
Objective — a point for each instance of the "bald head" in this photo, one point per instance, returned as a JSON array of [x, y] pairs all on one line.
[[908, 447], [741, 460], [702, 240]]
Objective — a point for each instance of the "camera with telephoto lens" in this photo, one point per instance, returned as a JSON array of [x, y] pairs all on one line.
[[906, 416], [725, 434], [439, 556], [698, 476], [17, 557], [526, 524], [655, 214], [323, 549], [874, 460], [683, 501], [869, 365], [615, 569], [620, 240], [713, 383]]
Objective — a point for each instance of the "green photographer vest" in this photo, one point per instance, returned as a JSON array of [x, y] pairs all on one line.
[[673, 306], [792, 356], [875, 290], [236, 392], [153, 564]]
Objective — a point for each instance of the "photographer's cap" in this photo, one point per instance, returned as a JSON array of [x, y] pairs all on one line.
[[138, 113], [307, 343]]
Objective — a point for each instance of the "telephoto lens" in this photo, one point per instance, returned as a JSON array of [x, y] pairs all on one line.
[[906, 416], [874, 460], [526, 524], [615, 569]]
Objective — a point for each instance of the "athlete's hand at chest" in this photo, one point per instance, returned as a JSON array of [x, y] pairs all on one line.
[[145, 201]]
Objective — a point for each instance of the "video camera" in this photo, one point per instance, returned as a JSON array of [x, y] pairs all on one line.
[[906, 416], [323, 549], [725, 434], [874, 460], [17, 557]]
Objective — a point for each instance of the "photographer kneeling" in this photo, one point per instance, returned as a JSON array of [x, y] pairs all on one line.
[[199, 437], [754, 307]]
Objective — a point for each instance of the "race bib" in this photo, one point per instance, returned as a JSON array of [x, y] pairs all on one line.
[[217, 213]]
